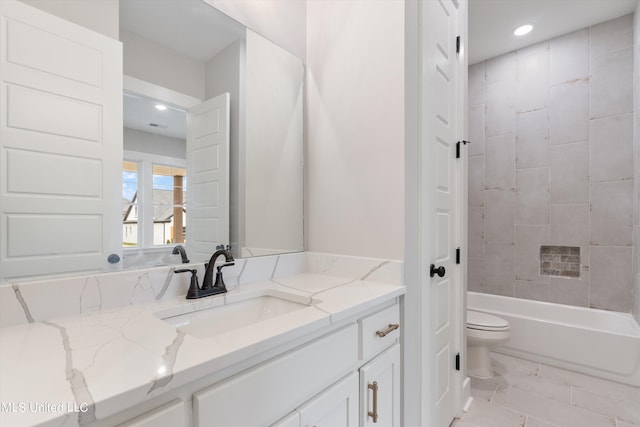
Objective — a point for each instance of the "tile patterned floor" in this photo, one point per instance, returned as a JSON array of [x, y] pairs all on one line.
[[530, 394]]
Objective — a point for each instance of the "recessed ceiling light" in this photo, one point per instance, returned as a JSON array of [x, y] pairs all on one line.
[[523, 29], [161, 107]]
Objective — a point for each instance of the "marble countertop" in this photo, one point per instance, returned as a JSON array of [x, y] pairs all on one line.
[[71, 370]]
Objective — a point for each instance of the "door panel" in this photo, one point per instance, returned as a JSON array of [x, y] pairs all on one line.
[[60, 145], [441, 134], [208, 177]]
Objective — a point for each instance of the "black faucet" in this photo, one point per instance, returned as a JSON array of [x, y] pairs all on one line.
[[219, 284], [179, 249], [208, 288]]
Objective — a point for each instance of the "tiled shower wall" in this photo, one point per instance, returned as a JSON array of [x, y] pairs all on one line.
[[636, 163], [551, 163]]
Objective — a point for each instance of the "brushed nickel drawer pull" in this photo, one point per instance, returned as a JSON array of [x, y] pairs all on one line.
[[374, 414], [384, 332]]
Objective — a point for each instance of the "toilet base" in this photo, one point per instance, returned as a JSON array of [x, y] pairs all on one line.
[[479, 362]]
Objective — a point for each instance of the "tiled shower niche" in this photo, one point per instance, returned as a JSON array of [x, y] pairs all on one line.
[[561, 261]]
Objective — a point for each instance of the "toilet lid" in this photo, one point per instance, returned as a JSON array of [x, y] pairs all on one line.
[[478, 320]]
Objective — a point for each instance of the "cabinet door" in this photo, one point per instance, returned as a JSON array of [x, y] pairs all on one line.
[[380, 390], [335, 407], [291, 420], [172, 414]]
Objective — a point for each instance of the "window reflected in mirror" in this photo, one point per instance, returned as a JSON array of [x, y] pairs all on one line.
[[169, 204]]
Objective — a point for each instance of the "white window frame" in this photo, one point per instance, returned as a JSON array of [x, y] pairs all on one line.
[[144, 201]]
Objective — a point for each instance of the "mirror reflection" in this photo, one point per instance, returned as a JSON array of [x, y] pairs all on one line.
[[177, 55]]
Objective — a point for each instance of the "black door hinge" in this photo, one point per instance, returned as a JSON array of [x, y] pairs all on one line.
[[463, 142], [457, 44], [458, 362], [457, 255]]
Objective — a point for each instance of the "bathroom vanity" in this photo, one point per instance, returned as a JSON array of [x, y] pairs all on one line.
[[314, 343]]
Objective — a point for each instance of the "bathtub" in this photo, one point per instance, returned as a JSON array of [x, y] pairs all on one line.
[[600, 343]]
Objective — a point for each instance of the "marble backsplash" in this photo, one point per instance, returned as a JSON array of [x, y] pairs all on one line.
[[38, 301]]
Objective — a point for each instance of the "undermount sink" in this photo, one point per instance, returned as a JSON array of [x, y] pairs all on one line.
[[206, 323]]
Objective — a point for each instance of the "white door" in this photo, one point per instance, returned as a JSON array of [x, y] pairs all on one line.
[[60, 145], [207, 177], [441, 129], [335, 407], [380, 390]]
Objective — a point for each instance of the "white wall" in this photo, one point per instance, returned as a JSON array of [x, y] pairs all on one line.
[[154, 63], [225, 72], [636, 163], [273, 154], [147, 142], [98, 15], [281, 21], [355, 128]]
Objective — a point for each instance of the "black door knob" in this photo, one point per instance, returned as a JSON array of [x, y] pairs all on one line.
[[440, 271]]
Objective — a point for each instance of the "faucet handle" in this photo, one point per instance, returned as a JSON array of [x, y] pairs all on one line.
[[194, 286]]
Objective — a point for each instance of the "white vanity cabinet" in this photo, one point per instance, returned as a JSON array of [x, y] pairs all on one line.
[[335, 407], [380, 390], [261, 395], [368, 397], [173, 414]]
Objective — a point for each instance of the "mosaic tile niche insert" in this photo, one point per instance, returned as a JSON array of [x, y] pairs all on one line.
[[562, 261]]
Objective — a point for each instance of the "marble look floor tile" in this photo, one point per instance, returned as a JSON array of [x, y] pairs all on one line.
[[595, 385], [484, 389], [549, 410], [620, 423], [615, 408], [539, 386], [544, 396], [534, 422], [503, 363], [484, 414]]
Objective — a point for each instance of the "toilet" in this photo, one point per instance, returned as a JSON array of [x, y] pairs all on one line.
[[483, 332]]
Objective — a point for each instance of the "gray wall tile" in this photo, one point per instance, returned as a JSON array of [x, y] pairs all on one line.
[[612, 148], [611, 213], [474, 278], [476, 233], [569, 224], [532, 196], [532, 139], [499, 216], [569, 57], [500, 113], [610, 278], [569, 178], [529, 238], [532, 290], [498, 268], [476, 181], [570, 291], [476, 129], [476, 84], [500, 69], [532, 75], [611, 77], [500, 162], [569, 112], [560, 100]]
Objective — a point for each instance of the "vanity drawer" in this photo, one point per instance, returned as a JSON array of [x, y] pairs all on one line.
[[379, 331]]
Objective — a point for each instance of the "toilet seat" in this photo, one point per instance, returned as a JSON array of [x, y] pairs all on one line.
[[485, 322]]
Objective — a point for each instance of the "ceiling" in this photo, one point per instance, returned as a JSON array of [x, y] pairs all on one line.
[[491, 22], [191, 27], [140, 113]]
